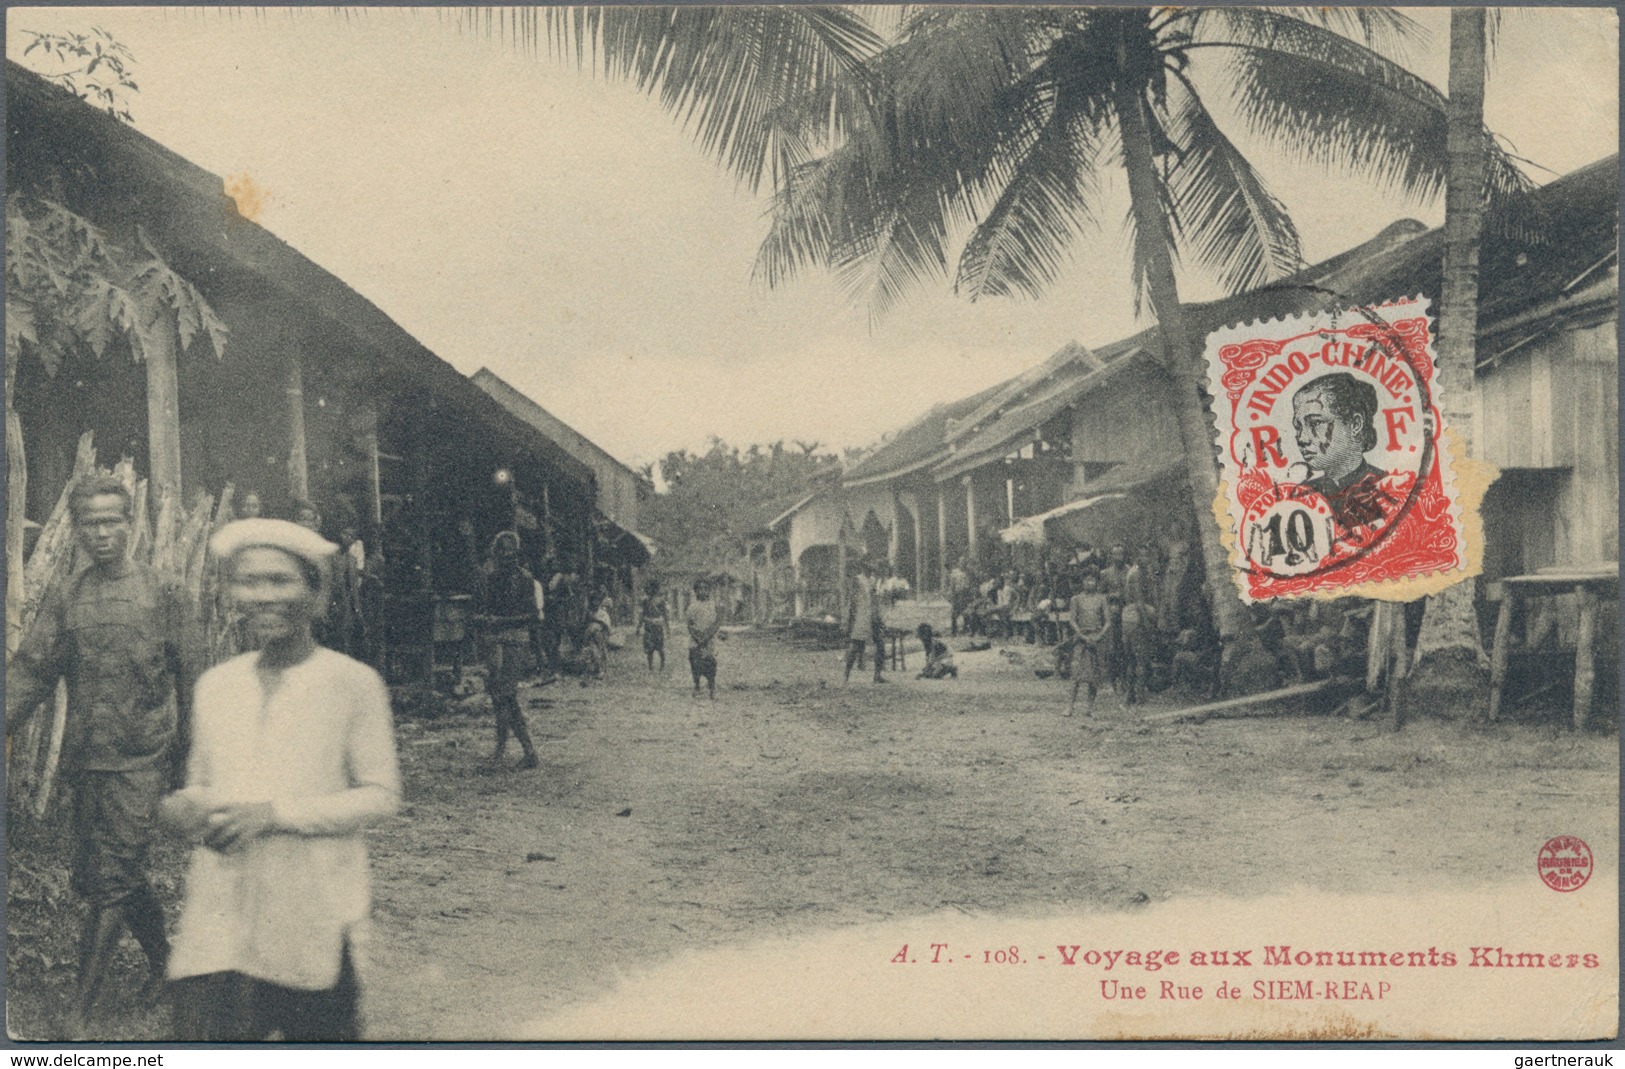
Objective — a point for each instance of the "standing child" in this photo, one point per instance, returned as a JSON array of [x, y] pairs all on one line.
[[652, 621], [596, 645], [1091, 626], [703, 624], [864, 623]]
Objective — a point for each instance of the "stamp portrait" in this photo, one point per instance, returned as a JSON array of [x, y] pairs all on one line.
[[1329, 430]]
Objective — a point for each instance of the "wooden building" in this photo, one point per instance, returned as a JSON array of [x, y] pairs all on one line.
[[1084, 447], [317, 395], [618, 549]]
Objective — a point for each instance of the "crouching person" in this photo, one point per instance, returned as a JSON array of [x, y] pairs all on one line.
[[939, 663], [293, 753]]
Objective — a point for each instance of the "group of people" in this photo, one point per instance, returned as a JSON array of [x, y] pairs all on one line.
[[1142, 621], [271, 763]]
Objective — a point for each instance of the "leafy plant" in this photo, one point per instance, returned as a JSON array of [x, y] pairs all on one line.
[[68, 285], [94, 67]]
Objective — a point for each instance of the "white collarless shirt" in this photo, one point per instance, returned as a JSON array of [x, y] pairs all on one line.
[[317, 742]]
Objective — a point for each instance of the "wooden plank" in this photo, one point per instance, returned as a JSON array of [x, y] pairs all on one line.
[[16, 526], [1500, 652], [163, 406], [1251, 705], [53, 755], [1399, 667], [1585, 670], [298, 457]]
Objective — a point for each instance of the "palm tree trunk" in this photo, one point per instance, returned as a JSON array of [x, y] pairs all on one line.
[[1155, 244], [1450, 676]]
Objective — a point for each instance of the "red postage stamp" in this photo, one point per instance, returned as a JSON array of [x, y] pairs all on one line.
[[1328, 428]]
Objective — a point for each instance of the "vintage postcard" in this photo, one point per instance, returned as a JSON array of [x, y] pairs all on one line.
[[812, 523]]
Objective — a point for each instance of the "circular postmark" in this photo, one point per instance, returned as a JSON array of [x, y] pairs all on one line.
[[1329, 439], [1564, 863]]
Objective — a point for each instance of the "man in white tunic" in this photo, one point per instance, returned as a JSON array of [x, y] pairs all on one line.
[[293, 753]]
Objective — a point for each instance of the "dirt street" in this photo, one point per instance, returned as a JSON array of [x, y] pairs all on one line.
[[661, 825]]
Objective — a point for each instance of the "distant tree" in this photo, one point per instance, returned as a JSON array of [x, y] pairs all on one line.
[[713, 500]]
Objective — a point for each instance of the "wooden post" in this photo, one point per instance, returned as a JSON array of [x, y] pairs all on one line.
[[163, 409], [1585, 664], [375, 483], [798, 596], [589, 538], [970, 518], [1501, 651], [772, 580], [1398, 669], [298, 459], [16, 519], [840, 575], [942, 538], [423, 670], [547, 520], [919, 552]]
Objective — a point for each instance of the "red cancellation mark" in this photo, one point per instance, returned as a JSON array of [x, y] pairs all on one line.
[[1564, 863]]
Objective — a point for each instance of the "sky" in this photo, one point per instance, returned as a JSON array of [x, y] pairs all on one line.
[[516, 213]]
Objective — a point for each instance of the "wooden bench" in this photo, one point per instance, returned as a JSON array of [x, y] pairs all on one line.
[[1592, 587]]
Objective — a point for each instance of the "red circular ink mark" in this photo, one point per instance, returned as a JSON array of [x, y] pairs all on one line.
[[1564, 863]]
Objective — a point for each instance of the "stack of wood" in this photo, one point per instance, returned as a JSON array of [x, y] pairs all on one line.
[[170, 538]]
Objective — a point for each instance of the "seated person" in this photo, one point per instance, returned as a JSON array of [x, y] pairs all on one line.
[[1192, 666], [939, 662]]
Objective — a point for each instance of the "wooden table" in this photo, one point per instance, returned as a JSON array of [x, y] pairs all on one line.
[[899, 652], [1593, 587]]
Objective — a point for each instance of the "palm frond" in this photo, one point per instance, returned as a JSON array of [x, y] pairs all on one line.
[[1022, 242], [1319, 96], [1222, 211], [903, 253], [808, 211], [758, 86], [1387, 30], [954, 105]]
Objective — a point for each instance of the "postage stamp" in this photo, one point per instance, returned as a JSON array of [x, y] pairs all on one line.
[[1329, 427]]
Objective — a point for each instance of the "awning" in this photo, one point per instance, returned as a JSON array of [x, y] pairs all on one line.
[[626, 545], [1030, 530]]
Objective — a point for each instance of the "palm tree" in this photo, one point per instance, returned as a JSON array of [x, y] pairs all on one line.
[[1450, 670], [1005, 120]]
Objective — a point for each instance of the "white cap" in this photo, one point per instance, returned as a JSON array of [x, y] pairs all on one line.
[[302, 542]]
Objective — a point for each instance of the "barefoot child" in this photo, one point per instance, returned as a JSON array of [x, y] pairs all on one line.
[[703, 624], [652, 621], [1091, 622]]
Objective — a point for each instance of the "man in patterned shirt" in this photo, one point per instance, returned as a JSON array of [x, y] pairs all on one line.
[[128, 644]]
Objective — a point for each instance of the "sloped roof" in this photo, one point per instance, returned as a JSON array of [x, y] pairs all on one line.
[[116, 170], [1015, 392], [773, 512], [919, 444], [526, 408], [1029, 400]]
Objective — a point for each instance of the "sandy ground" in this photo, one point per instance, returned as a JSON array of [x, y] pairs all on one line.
[[663, 834]]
